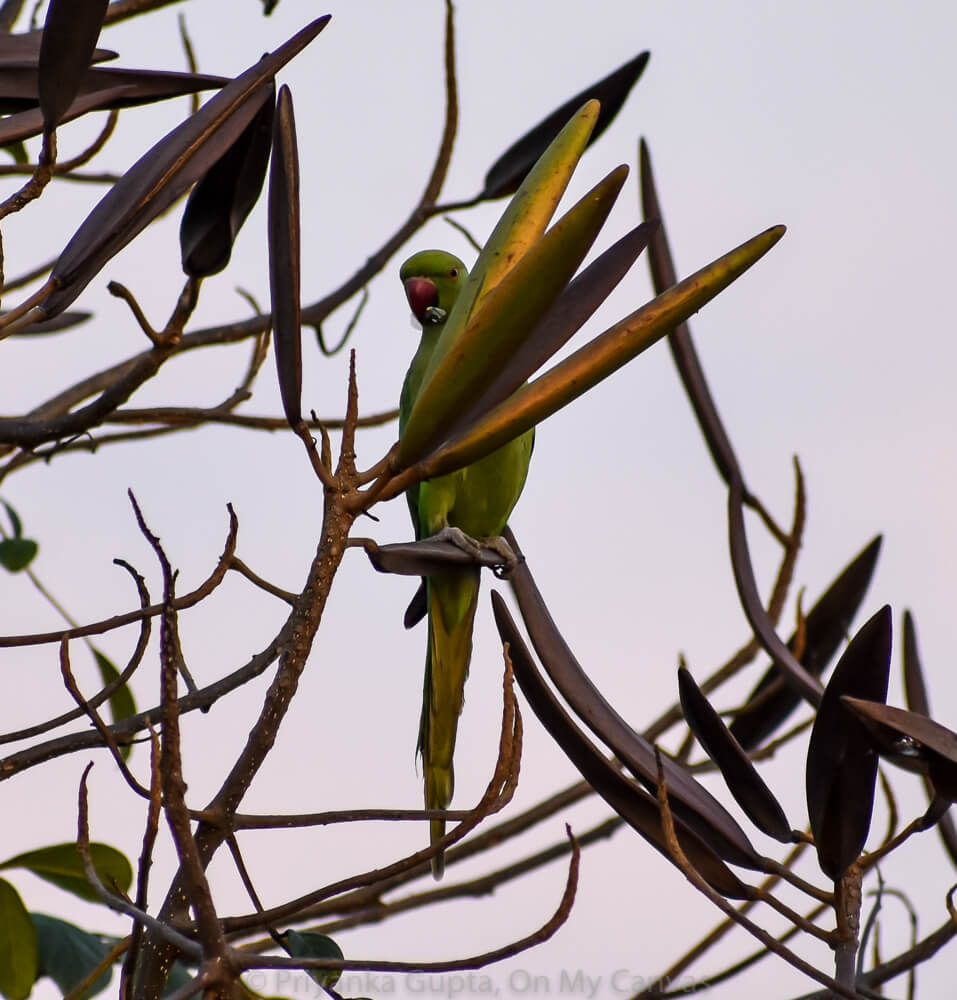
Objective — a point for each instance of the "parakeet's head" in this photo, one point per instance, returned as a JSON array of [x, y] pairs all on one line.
[[432, 281]]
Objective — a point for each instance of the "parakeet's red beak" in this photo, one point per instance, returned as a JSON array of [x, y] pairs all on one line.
[[421, 294]]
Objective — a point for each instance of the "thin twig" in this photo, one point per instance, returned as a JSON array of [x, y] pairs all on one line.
[[117, 621], [284, 595], [543, 933]]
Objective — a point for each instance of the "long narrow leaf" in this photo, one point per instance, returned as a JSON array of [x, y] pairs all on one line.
[[25, 46], [284, 258], [918, 701], [638, 808], [166, 172], [570, 311], [689, 799], [841, 762], [740, 775], [912, 741], [66, 50], [99, 90], [599, 358], [521, 225], [682, 347], [220, 202], [504, 318], [825, 628], [510, 169]]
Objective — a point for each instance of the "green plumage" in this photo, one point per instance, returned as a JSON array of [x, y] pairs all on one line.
[[477, 500]]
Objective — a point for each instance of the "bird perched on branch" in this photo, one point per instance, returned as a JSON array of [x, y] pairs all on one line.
[[468, 506]]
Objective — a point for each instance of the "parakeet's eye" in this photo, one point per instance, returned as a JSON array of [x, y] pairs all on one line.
[[454, 273]]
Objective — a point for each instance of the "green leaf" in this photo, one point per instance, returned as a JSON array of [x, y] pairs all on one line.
[[18, 945], [61, 865], [17, 553], [18, 151], [309, 944], [121, 702], [68, 954], [14, 519]]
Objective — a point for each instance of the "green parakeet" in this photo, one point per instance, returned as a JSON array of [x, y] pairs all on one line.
[[476, 500]]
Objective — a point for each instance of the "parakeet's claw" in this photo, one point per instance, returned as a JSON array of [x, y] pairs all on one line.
[[458, 538], [433, 314], [477, 547], [509, 560]]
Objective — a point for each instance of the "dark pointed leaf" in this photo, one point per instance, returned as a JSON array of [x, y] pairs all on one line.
[[68, 954], [61, 864], [912, 741], [17, 553], [219, 203], [418, 607], [427, 557], [25, 47], [696, 806], [636, 806], [58, 324], [166, 172], [841, 762], [509, 170], [826, 626], [310, 944], [18, 945], [918, 701], [25, 124], [66, 50], [740, 775], [663, 276], [284, 258], [914, 687], [100, 90], [567, 315]]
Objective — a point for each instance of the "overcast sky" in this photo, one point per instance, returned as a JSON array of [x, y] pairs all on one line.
[[834, 119]]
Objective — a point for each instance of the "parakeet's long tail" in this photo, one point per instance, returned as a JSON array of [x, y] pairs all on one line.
[[452, 599]]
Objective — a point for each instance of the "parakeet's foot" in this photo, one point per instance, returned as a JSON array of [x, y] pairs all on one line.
[[475, 546], [458, 538], [509, 560]]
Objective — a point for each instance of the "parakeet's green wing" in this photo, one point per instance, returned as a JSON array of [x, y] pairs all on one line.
[[478, 500]]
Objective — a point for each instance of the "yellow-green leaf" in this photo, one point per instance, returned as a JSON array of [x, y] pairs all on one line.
[[61, 864], [499, 324], [18, 945], [599, 358], [522, 223]]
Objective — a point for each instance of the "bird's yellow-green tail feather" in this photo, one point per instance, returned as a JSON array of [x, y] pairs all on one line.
[[452, 599]]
